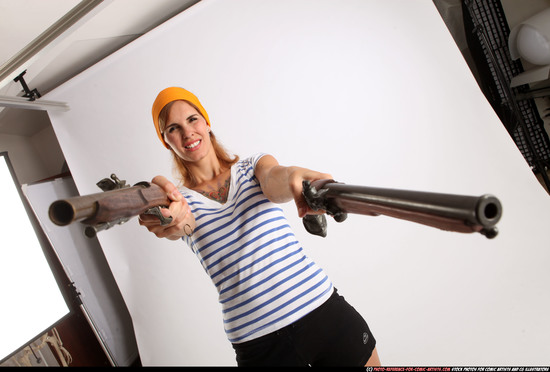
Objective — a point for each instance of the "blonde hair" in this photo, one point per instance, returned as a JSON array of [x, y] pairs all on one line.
[[181, 169]]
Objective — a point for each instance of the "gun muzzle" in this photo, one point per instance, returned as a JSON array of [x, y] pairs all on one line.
[[64, 212]]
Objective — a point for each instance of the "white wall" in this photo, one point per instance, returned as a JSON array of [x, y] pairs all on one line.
[[27, 163], [374, 92], [33, 157], [48, 149]]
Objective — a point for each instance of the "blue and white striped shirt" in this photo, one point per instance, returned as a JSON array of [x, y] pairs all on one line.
[[264, 279]]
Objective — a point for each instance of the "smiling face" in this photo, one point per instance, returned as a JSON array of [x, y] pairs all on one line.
[[187, 132]]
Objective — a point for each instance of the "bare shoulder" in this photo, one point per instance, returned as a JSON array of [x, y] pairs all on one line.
[[264, 165]]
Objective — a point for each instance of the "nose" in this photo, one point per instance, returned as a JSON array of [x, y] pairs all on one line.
[[187, 132]]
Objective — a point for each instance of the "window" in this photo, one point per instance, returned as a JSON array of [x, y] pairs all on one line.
[[31, 299]]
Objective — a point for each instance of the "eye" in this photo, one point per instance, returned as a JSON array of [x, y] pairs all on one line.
[[171, 129], [193, 118]]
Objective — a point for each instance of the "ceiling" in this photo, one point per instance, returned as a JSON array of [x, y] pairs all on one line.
[[109, 25]]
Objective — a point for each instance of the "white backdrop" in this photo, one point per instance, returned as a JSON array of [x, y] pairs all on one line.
[[374, 92]]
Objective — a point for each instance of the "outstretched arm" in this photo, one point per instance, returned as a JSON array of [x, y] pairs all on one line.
[[281, 184]]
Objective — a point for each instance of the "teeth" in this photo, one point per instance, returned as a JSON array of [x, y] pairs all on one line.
[[193, 145]]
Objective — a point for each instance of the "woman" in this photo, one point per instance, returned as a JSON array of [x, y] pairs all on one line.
[[279, 307]]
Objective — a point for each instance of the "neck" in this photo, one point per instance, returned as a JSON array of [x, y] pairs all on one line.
[[206, 170]]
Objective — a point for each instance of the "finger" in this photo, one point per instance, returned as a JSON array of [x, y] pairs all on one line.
[[172, 230], [301, 203], [171, 190], [302, 207], [167, 212], [178, 210]]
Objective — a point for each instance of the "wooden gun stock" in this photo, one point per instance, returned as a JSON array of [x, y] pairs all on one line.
[[458, 213]]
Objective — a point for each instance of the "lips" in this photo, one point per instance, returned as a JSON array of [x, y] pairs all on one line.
[[192, 145]]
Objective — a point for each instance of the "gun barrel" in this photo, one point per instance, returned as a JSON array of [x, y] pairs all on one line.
[[108, 206], [64, 212], [484, 210], [459, 213]]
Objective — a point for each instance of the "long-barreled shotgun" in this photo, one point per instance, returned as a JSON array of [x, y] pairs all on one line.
[[120, 202], [458, 213]]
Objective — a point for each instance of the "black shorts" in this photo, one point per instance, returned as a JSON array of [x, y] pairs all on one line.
[[334, 334]]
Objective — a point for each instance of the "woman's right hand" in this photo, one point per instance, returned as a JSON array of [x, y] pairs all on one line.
[[183, 221]]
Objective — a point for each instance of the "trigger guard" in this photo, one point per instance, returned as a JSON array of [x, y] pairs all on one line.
[[155, 211]]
